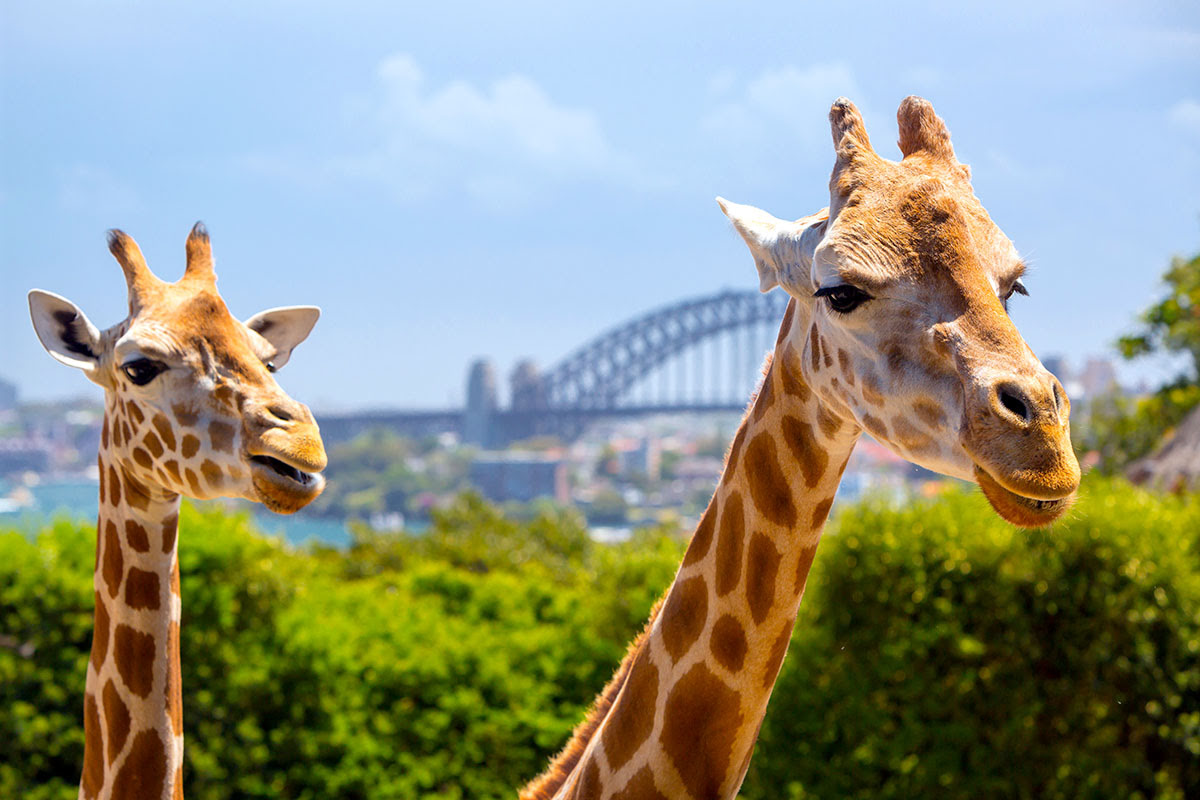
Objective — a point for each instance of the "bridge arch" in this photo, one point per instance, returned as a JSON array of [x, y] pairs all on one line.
[[598, 374]]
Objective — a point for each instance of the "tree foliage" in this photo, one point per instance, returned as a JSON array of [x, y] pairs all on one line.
[[1121, 429], [938, 653]]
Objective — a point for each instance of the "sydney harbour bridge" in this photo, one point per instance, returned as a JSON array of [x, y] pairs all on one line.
[[698, 355]]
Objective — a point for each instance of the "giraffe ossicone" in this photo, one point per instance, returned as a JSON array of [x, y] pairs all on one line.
[[897, 326], [191, 409]]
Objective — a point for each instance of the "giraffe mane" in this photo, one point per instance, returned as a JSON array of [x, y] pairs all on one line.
[[546, 785]]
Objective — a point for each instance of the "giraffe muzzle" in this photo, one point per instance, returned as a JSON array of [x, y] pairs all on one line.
[[287, 479], [1026, 512]]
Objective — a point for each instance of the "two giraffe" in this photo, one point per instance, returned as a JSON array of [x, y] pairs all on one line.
[[191, 408], [898, 326]]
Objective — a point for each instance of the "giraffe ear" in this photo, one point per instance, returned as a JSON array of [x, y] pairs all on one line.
[[284, 328], [782, 250], [65, 331]]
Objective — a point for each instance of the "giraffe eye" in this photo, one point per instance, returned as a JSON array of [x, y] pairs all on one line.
[[1016, 288], [843, 299], [271, 367], [143, 370]]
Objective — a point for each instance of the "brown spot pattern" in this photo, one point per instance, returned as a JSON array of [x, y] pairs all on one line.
[[169, 529], [702, 715], [142, 458], [135, 413], [193, 482], [786, 325], [766, 396], [702, 538], [793, 381], [186, 417], [814, 345], [828, 422], [172, 468], [144, 772], [729, 544], [872, 391], [116, 718], [844, 363], [113, 562], [930, 413], [104, 435], [212, 474], [165, 431], [809, 455], [589, 786], [632, 720], [142, 589], [641, 786], [875, 425], [221, 436], [133, 652], [821, 511], [684, 615], [174, 688], [114, 487], [137, 537], [153, 444], [804, 566], [762, 565], [100, 634], [728, 643], [93, 749], [775, 660], [735, 450], [768, 486], [190, 446], [135, 494]]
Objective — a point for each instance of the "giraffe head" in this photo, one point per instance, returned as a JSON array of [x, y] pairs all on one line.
[[192, 405], [901, 291]]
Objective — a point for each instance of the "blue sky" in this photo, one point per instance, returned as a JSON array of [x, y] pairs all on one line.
[[453, 180]]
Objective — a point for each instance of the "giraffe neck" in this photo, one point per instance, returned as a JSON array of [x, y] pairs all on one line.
[[133, 722], [682, 715]]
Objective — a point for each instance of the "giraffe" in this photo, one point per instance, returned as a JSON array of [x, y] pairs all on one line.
[[191, 408], [898, 326]]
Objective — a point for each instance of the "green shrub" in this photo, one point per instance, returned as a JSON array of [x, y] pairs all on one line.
[[942, 653], [939, 653]]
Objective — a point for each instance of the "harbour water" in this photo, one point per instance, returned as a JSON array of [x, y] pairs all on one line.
[[28, 508]]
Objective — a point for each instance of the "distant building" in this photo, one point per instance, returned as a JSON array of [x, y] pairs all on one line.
[[23, 455], [1098, 377], [481, 404], [519, 476], [8, 395]]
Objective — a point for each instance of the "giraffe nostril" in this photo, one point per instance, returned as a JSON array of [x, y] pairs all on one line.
[[1060, 399], [1012, 399], [280, 413]]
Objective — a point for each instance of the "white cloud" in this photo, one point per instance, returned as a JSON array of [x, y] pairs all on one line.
[[504, 143], [1185, 116], [788, 102]]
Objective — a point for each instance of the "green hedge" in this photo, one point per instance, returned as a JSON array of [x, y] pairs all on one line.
[[942, 653], [939, 653]]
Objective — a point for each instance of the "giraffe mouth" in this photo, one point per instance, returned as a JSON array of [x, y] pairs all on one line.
[[282, 487], [1026, 512], [286, 470]]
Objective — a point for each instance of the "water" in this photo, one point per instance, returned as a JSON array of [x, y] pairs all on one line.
[[79, 499]]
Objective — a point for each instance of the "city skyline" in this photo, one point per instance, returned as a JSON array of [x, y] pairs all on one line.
[[512, 187]]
